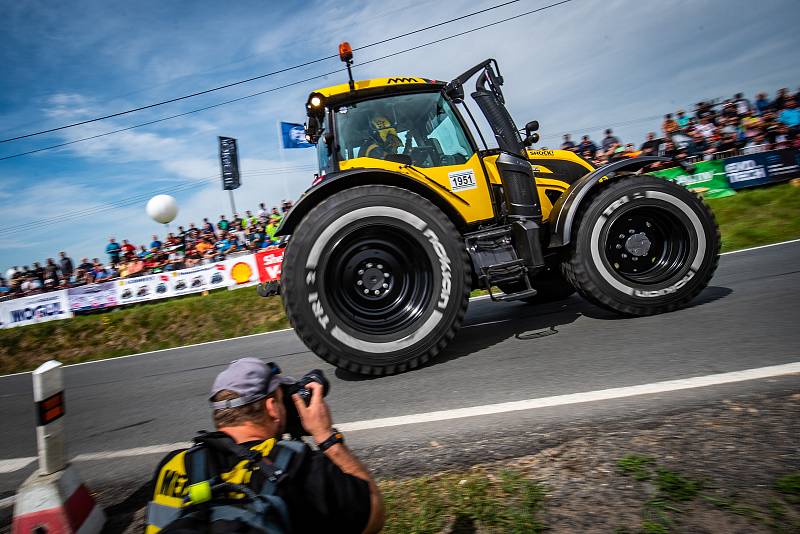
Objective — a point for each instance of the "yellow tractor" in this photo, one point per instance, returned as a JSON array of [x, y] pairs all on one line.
[[409, 213]]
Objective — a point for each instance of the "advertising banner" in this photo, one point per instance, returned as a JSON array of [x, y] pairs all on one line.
[[92, 297], [197, 279], [142, 288], [762, 168], [269, 264], [229, 161], [241, 270], [35, 309], [708, 179]]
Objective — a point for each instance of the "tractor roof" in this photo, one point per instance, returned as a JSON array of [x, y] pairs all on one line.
[[374, 87]]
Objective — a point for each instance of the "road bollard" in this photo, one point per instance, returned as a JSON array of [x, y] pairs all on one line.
[[53, 499]]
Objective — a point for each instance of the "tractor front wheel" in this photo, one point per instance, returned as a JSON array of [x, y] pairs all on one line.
[[375, 280]]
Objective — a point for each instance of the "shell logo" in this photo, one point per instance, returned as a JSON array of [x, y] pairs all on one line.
[[241, 272]]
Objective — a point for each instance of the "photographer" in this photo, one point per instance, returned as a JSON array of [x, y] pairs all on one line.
[[253, 406]]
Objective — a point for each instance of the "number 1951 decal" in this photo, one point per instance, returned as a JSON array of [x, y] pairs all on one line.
[[462, 180]]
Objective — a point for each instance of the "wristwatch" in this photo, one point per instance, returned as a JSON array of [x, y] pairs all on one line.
[[336, 437]]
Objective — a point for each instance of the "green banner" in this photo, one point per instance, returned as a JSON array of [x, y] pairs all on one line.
[[708, 179]]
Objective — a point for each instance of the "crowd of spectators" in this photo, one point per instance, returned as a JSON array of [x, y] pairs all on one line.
[[713, 130], [188, 247]]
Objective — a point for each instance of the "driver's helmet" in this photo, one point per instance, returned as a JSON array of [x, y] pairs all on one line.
[[384, 131]]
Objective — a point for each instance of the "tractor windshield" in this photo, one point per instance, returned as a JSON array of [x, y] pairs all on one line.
[[419, 129]]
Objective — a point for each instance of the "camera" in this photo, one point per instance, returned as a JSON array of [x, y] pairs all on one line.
[[293, 425]]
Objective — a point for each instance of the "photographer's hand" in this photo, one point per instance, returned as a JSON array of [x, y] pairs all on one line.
[[315, 418]]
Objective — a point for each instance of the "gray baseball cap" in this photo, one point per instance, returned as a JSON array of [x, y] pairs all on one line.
[[251, 378]]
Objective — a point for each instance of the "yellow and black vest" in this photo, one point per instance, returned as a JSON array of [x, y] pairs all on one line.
[[173, 490]]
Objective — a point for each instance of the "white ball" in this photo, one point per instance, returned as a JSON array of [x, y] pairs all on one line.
[[162, 208]]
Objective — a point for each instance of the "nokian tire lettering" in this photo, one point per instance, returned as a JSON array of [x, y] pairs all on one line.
[[642, 246], [375, 280]]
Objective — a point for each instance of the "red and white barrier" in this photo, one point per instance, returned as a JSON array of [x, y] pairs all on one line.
[[53, 499]]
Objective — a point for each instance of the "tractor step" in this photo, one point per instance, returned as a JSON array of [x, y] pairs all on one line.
[[519, 295], [509, 271]]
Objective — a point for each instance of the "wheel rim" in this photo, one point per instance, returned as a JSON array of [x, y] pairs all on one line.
[[647, 244], [380, 279]]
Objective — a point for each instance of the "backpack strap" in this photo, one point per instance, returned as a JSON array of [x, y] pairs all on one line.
[[288, 454]]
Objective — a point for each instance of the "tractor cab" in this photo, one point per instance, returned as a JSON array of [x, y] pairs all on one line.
[[407, 121]]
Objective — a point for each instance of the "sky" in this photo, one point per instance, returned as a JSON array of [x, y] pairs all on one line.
[[576, 67]]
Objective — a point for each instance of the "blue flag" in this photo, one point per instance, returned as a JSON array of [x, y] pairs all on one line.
[[294, 135]]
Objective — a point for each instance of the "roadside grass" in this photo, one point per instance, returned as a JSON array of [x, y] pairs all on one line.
[[758, 216], [750, 218], [140, 328], [477, 500], [673, 492]]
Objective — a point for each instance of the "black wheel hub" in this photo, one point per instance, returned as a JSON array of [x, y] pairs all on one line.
[[647, 244], [379, 279]]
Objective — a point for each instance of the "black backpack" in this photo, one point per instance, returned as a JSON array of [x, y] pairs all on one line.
[[218, 506]]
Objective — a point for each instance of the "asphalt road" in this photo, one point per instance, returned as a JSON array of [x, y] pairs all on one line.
[[747, 318]]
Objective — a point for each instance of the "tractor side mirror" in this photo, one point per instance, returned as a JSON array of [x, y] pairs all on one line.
[[530, 136]]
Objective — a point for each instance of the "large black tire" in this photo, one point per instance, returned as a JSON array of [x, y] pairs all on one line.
[[642, 245], [375, 280], [550, 286]]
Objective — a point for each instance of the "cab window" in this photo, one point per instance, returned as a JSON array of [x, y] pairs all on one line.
[[417, 129]]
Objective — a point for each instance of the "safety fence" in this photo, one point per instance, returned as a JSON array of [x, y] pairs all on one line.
[[726, 172], [263, 266]]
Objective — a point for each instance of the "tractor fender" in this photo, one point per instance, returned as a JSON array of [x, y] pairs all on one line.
[[562, 216], [339, 181]]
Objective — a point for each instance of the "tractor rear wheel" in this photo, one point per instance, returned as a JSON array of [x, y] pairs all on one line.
[[643, 245], [375, 280]]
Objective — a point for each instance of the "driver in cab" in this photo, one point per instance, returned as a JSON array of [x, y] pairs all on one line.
[[382, 141]]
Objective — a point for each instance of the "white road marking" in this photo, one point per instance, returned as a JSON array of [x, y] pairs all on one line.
[[481, 297], [15, 464], [760, 247]]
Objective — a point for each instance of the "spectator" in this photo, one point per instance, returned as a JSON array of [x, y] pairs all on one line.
[[567, 144], [249, 219], [742, 104], [128, 250], [650, 147], [780, 100], [208, 227], [790, 116], [762, 103], [143, 252], [65, 265], [669, 126], [5, 288], [38, 273], [113, 249], [223, 224], [51, 279], [236, 221], [155, 244], [682, 119], [275, 216], [286, 205], [609, 140], [11, 272], [587, 146], [706, 128]]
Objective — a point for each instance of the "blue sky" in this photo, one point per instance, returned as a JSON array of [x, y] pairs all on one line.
[[585, 64]]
